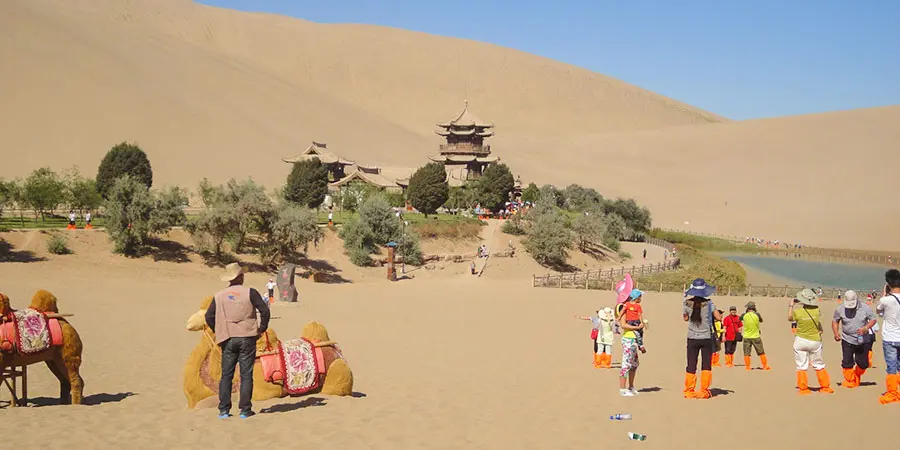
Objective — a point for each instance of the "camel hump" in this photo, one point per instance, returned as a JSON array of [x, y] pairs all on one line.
[[204, 305], [5, 307], [44, 301], [315, 332]]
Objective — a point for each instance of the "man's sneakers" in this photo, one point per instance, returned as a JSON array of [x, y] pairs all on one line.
[[224, 415], [247, 414]]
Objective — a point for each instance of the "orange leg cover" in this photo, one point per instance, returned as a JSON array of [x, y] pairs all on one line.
[[690, 382], [850, 379], [803, 382], [765, 362], [747, 364], [892, 395], [824, 382], [705, 382]]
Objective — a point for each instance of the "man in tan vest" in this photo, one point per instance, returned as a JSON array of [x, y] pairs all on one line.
[[232, 316]]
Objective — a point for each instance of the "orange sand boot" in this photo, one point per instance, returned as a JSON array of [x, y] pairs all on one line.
[[598, 362], [850, 379], [803, 383], [602, 358], [765, 362], [747, 364], [609, 360], [870, 358], [715, 360], [729, 360], [824, 381], [859, 373], [892, 395], [690, 381], [705, 381]]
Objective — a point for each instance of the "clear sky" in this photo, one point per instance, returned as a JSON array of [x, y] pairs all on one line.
[[739, 59]]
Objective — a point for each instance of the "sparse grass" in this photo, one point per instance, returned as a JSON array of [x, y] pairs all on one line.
[[698, 264], [58, 245], [704, 243], [624, 255]]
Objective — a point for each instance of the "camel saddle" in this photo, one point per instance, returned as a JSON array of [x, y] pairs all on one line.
[[28, 331], [298, 365]]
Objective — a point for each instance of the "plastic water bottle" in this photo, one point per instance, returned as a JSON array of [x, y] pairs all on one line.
[[636, 437], [620, 417]]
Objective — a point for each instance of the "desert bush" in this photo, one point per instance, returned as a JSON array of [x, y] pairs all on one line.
[[211, 227], [428, 188], [577, 198], [129, 208], [408, 247], [549, 195], [637, 219], [589, 230], [514, 226], [549, 240], [44, 191], [493, 188], [293, 229], [461, 197], [624, 255], [359, 241], [307, 183], [531, 193], [58, 245], [123, 159], [375, 226]]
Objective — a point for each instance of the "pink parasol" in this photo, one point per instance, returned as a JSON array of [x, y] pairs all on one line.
[[623, 289]]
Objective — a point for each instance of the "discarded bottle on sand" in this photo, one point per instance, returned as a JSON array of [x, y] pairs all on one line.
[[636, 436], [620, 417]]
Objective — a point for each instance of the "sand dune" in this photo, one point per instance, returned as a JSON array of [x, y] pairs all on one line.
[[219, 93]]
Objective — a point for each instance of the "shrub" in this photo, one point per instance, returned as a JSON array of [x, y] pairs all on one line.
[[550, 195], [129, 208], [307, 183], [548, 240], [460, 198], [58, 245], [624, 255], [589, 230], [637, 219], [44, 191], [211, 227], [293, 229], [577, 198], [531, 193], [408, 247], [82, 192], [493, 188], [428, 188], [359, 241], [375, 226], [514, 226], [168, 210], [123, 159], [396, 199]]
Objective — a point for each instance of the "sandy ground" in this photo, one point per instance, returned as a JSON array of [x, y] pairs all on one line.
[[449, 362], [197, 86]]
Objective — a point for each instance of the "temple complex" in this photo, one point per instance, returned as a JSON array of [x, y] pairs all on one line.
[[335, 164], [465, 155]]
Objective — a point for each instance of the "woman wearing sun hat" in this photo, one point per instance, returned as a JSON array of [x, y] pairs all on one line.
[[808, 341], [700, 314]]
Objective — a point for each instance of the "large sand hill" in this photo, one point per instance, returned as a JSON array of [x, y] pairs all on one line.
[[219, 93]]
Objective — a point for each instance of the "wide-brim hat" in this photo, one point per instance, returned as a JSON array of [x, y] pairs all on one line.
[[851, 299], [231, 272], [807, 297], [699, 288], [624, 288], [751, 304]]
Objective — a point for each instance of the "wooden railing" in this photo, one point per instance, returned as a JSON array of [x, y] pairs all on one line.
[[746, 291], [600, 279]]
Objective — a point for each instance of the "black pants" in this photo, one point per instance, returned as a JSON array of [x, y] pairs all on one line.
[[699, 348], [855, 354], [730, 347], [237, 350]]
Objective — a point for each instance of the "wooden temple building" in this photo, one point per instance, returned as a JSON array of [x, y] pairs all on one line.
[[465, 155], [342, 172], [337, 166]]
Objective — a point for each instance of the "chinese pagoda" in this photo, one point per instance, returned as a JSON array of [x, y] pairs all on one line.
[[464, 155], [334, 164]]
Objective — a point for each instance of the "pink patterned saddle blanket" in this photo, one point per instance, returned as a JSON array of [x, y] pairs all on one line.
[[298, 365], [28, 331]]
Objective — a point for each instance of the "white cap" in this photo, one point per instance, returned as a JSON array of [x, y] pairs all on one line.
[[850, 299]]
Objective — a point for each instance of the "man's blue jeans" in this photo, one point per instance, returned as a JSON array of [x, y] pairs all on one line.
[[237, 350], [891, 353]]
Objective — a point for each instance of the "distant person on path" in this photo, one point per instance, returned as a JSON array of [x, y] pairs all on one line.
[[889, 308], [603, 336], [72, 218], [270, 286], [630, 356], [634, 316], [87, 220], [700, 313], [851, 324], [753, 336], [232, 315], [808, 341], [732, 324], [645, 253], [472, 267]]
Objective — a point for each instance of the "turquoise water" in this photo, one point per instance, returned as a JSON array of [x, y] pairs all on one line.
[[816, 273]]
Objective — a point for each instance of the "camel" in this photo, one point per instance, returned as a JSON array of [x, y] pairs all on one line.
[[204, 367], [64, 360]]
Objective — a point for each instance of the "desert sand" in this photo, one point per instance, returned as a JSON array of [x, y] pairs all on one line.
[[210, 92], [450, 362]]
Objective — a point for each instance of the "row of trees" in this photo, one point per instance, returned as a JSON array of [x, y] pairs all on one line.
[[45, 191], [576, 198]]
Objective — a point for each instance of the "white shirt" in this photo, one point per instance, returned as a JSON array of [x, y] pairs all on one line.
[[72, 217], [87, 216], [270, 285], [889, 307]]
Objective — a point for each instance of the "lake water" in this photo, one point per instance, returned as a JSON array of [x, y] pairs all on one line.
[[861, 277]]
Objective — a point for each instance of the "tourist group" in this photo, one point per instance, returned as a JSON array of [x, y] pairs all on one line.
[[854, 325]]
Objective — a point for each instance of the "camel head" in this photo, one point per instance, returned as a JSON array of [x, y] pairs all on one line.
[[315, 332], [44, 301], [5, 308], [197, 321]]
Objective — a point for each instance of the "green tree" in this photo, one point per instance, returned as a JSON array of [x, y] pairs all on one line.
[[168, 210], [636, 218], [291, 230], [359, 241], [129, 208], [428, 188], [82, 192], [577, 198], [123, 159], [531, 193], [549, 239], [616, 230], [589, 229], [375, 226], [307, 184], [461, 198], [44, 191], [244, 201], [551, 196], [7, 195], [493, 188], [14, 193]]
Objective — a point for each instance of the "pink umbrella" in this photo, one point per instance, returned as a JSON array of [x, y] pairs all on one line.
[[623, 289]]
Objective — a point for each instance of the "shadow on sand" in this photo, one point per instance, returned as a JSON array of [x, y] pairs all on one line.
[[90, 400], [8, 254], [288, 407]]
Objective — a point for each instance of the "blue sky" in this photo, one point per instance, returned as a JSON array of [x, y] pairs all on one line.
[[740, 59]]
